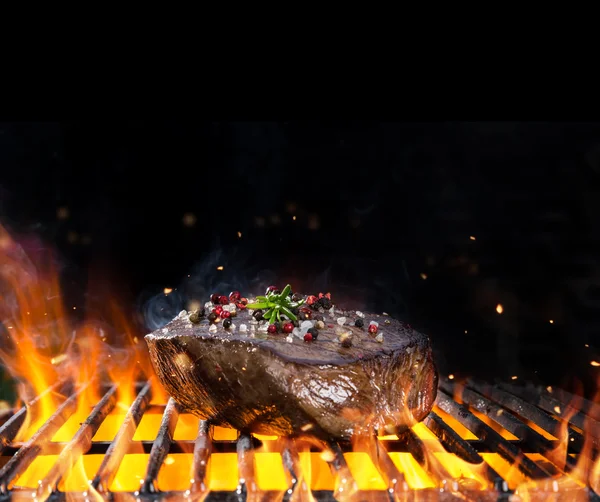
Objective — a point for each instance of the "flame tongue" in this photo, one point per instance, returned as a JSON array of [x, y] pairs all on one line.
[[78, 388]]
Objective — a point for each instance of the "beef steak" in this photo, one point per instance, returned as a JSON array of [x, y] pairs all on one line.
[[251, 380]]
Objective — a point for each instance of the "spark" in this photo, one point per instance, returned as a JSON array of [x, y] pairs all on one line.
[[423, 276], [58, 359], [220, 267], [168, 290], [549, 389], [587, 345], [239, 234], [62, 213], [514, 377], [551, 321], [465, 331], [450, 376], [499, 308], [557, 409], [189, 219], [595, 363], [472, 237], [74, 308], [294, 217]]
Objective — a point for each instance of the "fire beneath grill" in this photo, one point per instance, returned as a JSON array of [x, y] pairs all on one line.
[[87, 430], [486, 443]]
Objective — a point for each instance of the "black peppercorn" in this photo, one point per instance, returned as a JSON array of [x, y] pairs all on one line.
[[314, 332], [296, 297], [347, 342], [325, 303], [359, 323], [258, 315], [227, 323], [212, 317]]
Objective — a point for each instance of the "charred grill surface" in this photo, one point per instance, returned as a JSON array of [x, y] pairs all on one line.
[[279, 384]]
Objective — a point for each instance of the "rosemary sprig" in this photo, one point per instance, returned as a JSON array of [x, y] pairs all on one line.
[[277, 305]]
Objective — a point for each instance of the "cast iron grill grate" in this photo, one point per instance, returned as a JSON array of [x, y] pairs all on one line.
[[519, 424]]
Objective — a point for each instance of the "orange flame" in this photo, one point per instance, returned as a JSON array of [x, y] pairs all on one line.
[[52, 357]]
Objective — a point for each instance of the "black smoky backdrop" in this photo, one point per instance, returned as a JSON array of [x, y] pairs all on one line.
[[440, 224]]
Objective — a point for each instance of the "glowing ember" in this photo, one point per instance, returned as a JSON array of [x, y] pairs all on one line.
[[168, 291], [499, 308], [189, 219], [220, 267], [595, 363]]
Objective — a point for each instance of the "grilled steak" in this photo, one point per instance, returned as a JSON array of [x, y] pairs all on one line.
[[347, 378]]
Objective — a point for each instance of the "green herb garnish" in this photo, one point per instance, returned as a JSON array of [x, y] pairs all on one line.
[[277, 305]]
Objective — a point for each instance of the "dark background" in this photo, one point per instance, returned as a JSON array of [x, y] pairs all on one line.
[[146, 204]]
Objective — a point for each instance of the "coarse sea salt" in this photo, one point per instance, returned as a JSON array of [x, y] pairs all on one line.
[[305, 326], [243, 328], [359, 313], [165, 330], [374, 323], [213, 328], [341, 320], [379, 338], [289, 339]]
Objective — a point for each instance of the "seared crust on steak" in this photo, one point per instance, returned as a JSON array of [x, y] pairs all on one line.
[[279, 384]]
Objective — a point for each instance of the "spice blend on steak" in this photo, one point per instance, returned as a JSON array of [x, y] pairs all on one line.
[[284, 364]]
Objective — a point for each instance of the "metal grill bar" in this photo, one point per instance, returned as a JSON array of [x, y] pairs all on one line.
[[345, 480], [202, 452], [10, 428], [451, 440], [591, 409], [245, 455], [118, 448], [505, 419], [552, 405], [160, 448], [527, 411], [390, 474], [35, 446], [80, 443], [430, 463], [495, 403], [484, 431]]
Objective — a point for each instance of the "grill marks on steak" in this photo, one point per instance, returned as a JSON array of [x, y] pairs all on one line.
[[262, 383]]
